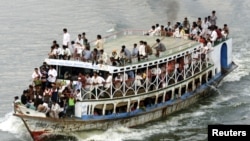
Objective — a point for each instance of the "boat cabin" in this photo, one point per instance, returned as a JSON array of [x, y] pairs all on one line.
[[138, 84]]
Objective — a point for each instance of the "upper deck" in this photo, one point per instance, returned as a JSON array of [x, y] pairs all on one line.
[[128, 38]]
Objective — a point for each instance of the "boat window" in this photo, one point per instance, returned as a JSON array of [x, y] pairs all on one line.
[[68, 73], [160, 97], [121, 107], [176, 91], [183, 89], [209, 77], [168, 95], [109, 109], [197, 82], [203, 79], [190, 86], [98, 110]]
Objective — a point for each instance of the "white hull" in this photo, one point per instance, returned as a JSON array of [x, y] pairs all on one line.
[[41, 125]]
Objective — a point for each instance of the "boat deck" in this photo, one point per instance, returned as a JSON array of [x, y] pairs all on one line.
[[173, 45]]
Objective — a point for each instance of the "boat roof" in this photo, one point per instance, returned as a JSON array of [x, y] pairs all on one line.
[[112, 42]]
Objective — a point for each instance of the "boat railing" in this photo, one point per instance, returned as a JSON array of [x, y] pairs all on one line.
[[134, 86]]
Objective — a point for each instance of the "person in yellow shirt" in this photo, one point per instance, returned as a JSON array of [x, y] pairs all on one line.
[[71, 106]]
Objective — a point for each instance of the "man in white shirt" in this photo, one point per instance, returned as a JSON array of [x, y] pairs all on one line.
[[108, 81], [55, 109], [142, 51], [79, 40], [214, 35], [67, 53], [118, 81], [60, 52], [138, 79], [103, 57], [152, 31], [157, 29], [78, 95], [66, 37], [97, 82], [52, 74]]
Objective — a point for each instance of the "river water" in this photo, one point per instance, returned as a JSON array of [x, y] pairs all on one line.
[[29, 27]]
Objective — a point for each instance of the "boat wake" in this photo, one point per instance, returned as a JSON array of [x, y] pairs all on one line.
[[14, 125]]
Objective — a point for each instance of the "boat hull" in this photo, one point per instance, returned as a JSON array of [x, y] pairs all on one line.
[[41, 125]]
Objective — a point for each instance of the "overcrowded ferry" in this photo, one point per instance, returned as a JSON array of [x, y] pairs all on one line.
[[128, 78]]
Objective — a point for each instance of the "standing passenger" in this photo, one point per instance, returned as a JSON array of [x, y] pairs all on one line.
[[142, 51], [52, 74], [99, 43], [213, 18], [66, 37]]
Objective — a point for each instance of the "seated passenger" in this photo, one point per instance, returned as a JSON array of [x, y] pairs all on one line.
[[78, 52], [67, 53], [135, 51], [103, 57], [152, 31], [78, 95], [108, 81], [225, 31], [17, 100], [31, 105], [159, 48], [118, 81], [148, 49], [138, 79], [127, 53], [44, 108], [115, 58], [86, 55], [94, 56], [55, 110]]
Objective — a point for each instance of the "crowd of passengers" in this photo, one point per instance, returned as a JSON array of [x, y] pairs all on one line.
[[43, 94], [205, 31]]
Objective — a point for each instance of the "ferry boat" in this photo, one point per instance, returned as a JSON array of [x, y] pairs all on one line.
[[150, 88]]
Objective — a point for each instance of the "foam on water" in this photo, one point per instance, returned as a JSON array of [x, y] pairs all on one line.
[[14, 125]]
